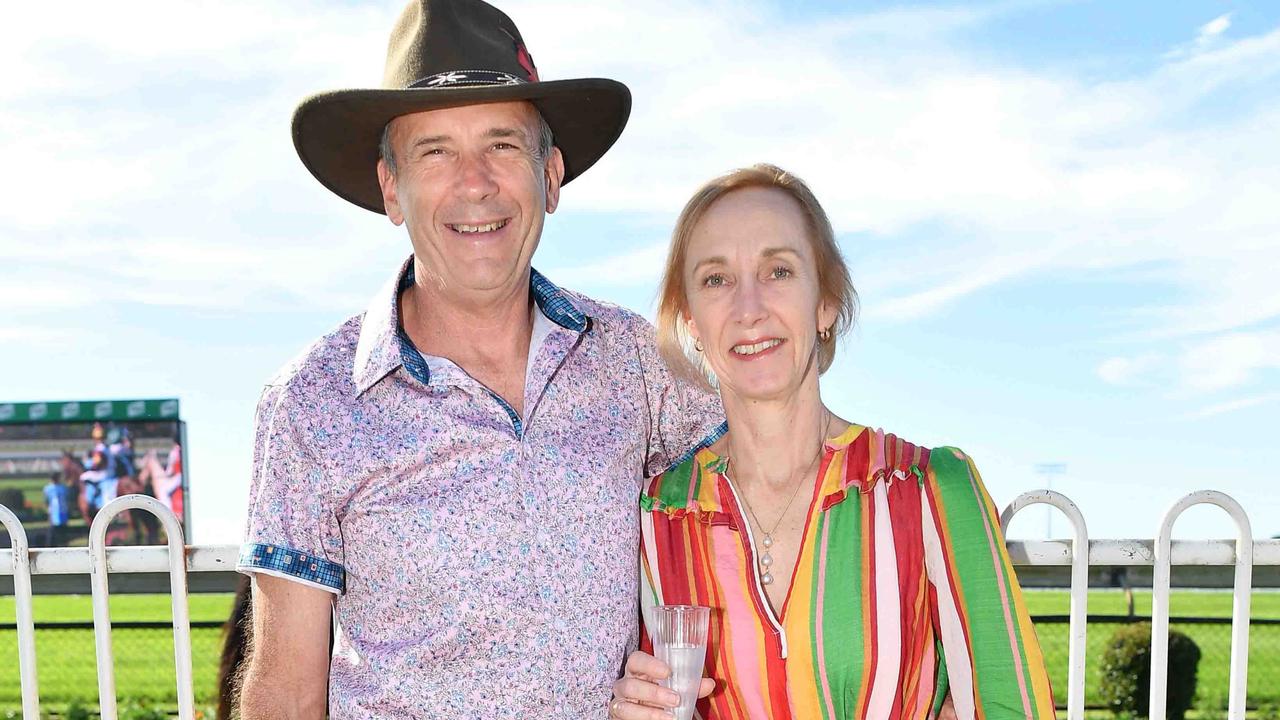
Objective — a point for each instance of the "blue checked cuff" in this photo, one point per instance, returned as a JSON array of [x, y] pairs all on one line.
[[291, 564]]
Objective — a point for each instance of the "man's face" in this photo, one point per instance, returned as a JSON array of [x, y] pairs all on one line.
[[472, 192]]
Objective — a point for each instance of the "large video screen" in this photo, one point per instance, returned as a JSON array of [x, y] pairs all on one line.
[[60, 463]]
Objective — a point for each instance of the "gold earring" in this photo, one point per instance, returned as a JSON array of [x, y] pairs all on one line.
[[697, 344], [824, 334]]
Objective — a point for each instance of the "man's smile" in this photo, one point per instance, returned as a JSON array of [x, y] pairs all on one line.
[[467, 229]]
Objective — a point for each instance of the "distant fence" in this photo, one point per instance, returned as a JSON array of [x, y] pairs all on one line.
[[98, 561]]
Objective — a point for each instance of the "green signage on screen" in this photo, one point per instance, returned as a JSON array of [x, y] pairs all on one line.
[[88, 411]]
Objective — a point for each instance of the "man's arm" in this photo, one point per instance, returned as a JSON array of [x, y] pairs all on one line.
[[288, 666]]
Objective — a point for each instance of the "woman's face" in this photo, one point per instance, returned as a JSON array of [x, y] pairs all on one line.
[[752, 292]]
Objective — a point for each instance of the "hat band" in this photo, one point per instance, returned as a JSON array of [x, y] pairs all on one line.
[[466, 78]]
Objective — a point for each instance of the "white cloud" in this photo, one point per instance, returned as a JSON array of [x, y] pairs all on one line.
[[157, 164], [1231, 406], [1129, 371], [1230, 360], [637, 268], [1206, 37]]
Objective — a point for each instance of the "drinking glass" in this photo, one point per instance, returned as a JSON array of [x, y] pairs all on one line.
[[679, 635]]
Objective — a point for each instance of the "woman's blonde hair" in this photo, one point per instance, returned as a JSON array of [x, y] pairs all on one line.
[[834, 285]]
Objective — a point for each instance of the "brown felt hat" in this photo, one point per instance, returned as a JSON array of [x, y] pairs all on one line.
[[446, 53]]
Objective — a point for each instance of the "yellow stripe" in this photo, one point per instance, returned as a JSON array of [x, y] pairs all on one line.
[[1043, 696], [802, 680]]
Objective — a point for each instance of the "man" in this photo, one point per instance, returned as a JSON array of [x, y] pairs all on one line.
[[57, 499], [454, 474]]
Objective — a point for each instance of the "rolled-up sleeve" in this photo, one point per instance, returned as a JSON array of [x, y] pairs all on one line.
[[292, 530]]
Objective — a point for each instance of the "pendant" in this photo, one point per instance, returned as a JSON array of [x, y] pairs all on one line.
[[766, 560]]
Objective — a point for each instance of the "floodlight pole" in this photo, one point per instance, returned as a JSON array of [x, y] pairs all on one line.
[[1047, 471]]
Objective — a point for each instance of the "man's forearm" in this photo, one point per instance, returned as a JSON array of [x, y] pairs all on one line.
[[265, 695]]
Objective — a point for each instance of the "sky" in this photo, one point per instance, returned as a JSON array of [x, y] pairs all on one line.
[[1061, 217]]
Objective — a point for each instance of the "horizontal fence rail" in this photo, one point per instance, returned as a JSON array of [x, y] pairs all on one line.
[[1079, 553]]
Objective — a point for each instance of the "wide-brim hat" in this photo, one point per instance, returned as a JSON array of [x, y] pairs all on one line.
[[447, 53]]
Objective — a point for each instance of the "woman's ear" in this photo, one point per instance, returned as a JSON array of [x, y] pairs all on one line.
[[826, 315], [690, 326]]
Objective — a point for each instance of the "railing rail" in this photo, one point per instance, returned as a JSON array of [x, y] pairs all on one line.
[[99, 562]]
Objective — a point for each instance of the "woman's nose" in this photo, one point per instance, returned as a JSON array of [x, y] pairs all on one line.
[[748, 306]]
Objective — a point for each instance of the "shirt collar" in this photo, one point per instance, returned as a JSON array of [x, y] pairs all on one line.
[[385, 346]]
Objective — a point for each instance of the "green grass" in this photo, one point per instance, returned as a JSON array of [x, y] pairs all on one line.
[[66, 661], [144, 659], [1214, 640]]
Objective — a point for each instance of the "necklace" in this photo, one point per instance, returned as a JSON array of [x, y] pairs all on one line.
[[765, 561]]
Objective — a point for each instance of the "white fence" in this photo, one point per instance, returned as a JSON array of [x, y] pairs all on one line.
[[98, 561]]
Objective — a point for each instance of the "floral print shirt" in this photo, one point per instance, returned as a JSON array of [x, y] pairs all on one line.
[[484, 564]]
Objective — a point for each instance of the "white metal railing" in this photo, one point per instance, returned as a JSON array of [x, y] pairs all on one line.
[[1079, 589], [99, 561]]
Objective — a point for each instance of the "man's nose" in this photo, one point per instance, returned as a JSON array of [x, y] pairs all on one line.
[[476, 182]]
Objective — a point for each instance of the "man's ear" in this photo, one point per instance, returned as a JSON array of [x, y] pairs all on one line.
[[390, 201], [554, 176]]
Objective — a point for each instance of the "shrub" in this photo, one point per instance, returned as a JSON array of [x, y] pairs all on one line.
[[140, 710], [12, 499], [76, 710], [1126, 672]]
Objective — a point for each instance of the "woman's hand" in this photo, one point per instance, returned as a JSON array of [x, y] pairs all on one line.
[[637, 695]]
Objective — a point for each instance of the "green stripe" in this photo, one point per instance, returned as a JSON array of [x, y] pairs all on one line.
[[1009, 579], [942, 683], [842, 618], [674, 491], [975, 566]]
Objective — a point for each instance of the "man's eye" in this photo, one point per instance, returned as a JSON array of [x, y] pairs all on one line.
[[504, 146]]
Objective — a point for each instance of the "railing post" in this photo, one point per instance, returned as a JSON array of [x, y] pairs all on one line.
[[98, 569], [1239, 610], [22, 603], [1079, 588]]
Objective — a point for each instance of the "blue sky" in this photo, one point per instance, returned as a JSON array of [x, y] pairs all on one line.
[[1060, 216]]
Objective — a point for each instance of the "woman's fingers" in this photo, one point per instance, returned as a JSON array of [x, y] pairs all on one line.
[[621, 709], [643, 665], [948, 709], [638, 696], [642, 692]]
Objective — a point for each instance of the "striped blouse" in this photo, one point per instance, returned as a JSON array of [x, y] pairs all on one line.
[[902, 585]]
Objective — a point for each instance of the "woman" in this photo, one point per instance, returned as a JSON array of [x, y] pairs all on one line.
[[851, 574]]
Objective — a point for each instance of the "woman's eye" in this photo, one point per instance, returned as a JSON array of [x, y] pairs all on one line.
[[780, 273], [715, 280]]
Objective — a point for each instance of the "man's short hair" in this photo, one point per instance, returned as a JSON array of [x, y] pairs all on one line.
[[542, 151]]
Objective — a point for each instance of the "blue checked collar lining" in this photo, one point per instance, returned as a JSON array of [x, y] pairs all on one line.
[[375, 357]]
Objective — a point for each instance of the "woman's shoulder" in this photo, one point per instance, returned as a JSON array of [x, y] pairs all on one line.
[[688, 483], [896, 456]]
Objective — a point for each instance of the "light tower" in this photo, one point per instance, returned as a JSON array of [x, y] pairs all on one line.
[[1047, 471]]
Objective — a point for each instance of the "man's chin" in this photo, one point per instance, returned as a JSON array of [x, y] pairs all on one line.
[[485, 277]]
